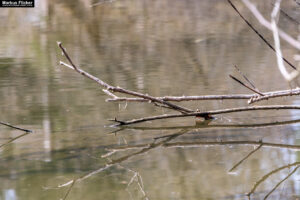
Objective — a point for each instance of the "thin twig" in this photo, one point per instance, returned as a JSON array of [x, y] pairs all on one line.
[[246, 157], [278, 184], [243, 84], [251, 97], [10, 141], [18, 128], [122, 159], [138, 179], [69, 189], [209, 113], [164, 100], [118, 89], [260, 35], [275, 95], [245, 77], [266, 176]]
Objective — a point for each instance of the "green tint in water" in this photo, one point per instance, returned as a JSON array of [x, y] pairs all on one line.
[[166, 47]]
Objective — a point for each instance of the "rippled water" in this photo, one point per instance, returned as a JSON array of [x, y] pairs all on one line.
[[166, 47]]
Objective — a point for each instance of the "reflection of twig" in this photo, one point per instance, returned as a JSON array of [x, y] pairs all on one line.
[[102, 2], [120, 160], [246, 157], [85, 176], [197, 144], [138, 179], [269, 174], [262, 37], [293, 42], [11, 126], [288, 76], [278, 184], [288, 16], [10, 141], [69, 189]]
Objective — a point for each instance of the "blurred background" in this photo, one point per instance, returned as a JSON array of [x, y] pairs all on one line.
[[159, 47]]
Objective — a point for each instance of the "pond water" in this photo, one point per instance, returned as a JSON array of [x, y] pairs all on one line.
[[158, 47]]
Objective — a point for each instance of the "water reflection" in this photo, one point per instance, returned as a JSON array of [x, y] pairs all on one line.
[[168, 47]]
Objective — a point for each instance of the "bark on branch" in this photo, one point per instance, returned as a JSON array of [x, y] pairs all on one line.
[[252, 98], [118, 89], [185, 112], [206, 113]]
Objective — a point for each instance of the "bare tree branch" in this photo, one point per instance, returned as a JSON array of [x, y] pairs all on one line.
[[245, 77], [243, 84], [251, 97], [208, 113], [118, 89]]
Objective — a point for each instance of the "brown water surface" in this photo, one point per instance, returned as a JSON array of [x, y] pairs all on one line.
[[159, 47]]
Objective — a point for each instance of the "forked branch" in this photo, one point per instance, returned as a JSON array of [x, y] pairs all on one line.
[[118, 89]]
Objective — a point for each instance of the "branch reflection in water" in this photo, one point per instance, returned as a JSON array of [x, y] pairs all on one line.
[[166, 141]]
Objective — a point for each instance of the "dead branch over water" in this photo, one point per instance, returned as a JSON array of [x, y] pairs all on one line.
[[206, 113], [185, 112], [251, 97], [119, 89]]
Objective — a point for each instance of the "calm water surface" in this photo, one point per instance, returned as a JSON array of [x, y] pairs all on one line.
[[159, 47]]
